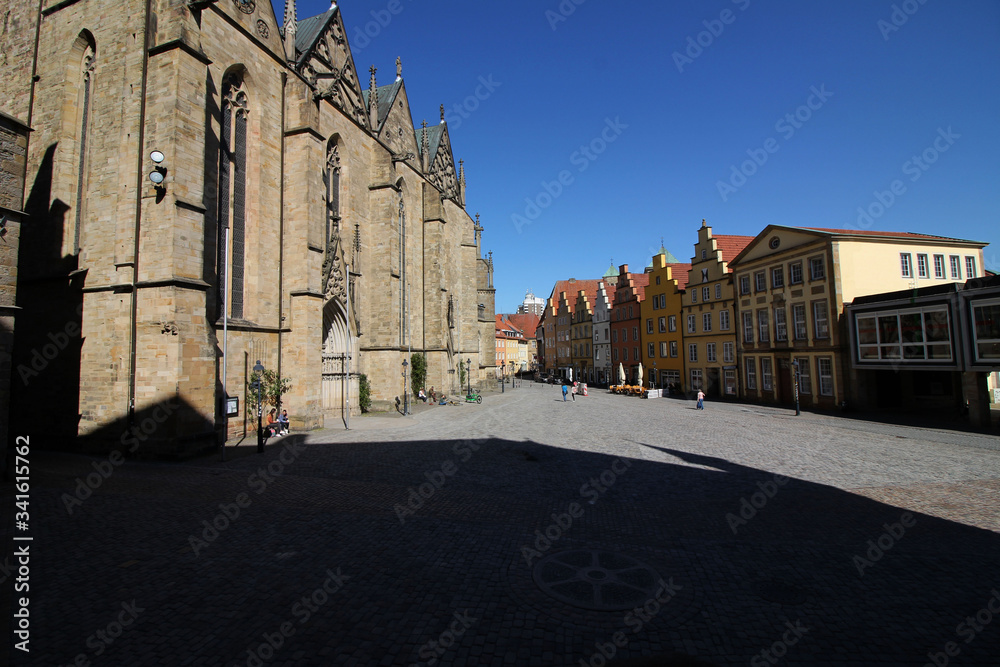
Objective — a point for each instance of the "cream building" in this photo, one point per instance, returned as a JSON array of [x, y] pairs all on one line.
[[194, 166], [792, 285]]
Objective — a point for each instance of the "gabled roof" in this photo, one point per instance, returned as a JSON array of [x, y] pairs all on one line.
[[525, 322], [878, 234], [386, 98], [307, 31], [434, 135]]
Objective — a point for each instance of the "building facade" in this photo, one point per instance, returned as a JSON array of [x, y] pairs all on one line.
[[626, 324], [582, 332], [662, 311], [709, 316], [792, 285], [603, 300], [245, 200]]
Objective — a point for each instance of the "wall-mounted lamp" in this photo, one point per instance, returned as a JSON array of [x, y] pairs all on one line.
[[159, 173]]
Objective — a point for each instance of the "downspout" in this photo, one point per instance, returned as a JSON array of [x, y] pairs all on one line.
[[34, 76], [281, 224], [133, 325]]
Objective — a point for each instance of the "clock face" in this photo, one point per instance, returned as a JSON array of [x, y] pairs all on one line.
[[246, 6]]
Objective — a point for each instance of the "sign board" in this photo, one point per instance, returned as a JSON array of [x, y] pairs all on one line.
[[233, 406], [996, 395]]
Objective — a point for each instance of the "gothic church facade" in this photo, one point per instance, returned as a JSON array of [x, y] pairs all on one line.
[[194, 169]]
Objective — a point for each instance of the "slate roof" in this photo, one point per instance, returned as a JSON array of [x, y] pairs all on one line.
[[386, 98], [307, 31], [434, 135]]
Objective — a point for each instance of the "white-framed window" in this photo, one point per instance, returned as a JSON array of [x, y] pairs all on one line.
[[760, 281], [672, 323], [706, 294], [821, 322], [710, 352], [986, 330], [691, 326], [763, 326], [970, 267], [694, 295], [673, 349], [744, 285], [663, 349], [649, 325], [922, 266], [905, 267], [651, 350], [747, 327], [956, 267], [662, 323], [914, 334], [751, 365], [777, 277], [795, 273], [817, 268], [696, 381], [727, 352], [766, 374], [718, 290], [692, 352], [799, 321], [780, 324], [723, 320], [825, 367], [805, 382], [706, 322], [939, 266]]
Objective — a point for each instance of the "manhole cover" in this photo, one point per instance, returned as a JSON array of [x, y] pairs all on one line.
[[598, 580], [780, 592]]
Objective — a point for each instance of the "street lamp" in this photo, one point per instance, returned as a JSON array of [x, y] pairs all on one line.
[[503, 370], [795, 365], [259, 370], [468, 374], [652, 378], [406, 394], [511, 374]]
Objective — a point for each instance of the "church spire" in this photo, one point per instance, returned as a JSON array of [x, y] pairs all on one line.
[[373, 100], [442, 113], [290, 28], [425, 147], [399, 68]]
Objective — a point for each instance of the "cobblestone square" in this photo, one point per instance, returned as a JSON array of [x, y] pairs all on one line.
[[529, 531]]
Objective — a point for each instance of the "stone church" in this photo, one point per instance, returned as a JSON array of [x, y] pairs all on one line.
[[204, 190]]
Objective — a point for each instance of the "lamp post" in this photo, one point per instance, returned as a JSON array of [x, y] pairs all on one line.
[[259, 370], [503, 369], [406, 395], [512, 375], [795, 384], [652, 378], [468, 374]]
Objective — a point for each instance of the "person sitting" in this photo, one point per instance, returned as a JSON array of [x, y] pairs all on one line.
[[283, 421], [444, 399], [422, 396], [272, 427]]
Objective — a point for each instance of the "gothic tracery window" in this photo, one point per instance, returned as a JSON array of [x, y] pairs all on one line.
[[87, 81], [232, 189]]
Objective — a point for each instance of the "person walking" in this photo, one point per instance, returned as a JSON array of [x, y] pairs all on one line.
[[573, 392], [701, 400], [565, 391]]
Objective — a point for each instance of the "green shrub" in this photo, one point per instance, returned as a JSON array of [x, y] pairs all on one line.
[[364, 393]]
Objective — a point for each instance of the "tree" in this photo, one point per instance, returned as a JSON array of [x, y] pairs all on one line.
[[272, 389], [364, 393], [461, 374], [418, 372]]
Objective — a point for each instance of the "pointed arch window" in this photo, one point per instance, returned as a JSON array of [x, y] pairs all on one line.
[[232, 190], [404, 315], [332, 180], [87, 81]]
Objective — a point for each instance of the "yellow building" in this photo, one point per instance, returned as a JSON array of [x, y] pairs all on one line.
[[662, 312], [710, 316], [793, 284]]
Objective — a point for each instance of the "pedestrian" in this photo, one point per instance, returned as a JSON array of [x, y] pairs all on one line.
[[701, 400], [574, 392], [565, 391]]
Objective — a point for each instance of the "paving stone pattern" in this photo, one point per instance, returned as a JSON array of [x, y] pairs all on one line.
[[451, 581]]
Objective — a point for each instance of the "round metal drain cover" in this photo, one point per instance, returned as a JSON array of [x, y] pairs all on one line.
[[780, 592], [597, 580]]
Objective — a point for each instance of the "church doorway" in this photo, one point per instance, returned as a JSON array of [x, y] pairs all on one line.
[[336, 347]]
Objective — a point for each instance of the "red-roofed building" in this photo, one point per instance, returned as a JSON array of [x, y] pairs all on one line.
[[603, 302], [709, 311], [793, 284], [626, 321], [663, 334]]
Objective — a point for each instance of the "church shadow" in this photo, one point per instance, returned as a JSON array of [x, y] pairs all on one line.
[[429, 529]]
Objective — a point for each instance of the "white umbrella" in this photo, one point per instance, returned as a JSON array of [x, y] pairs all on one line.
[[621, 374], [640, 374]]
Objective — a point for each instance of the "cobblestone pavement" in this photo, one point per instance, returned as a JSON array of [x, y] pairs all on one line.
[[739, 535]]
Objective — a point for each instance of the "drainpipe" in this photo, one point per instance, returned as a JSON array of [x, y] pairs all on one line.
[[281, 224], [139, 181]]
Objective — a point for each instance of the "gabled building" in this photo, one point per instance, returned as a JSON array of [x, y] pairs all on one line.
[[583, 348], [626, 324], [662, 312], [527, 324], [560, 307], [710, 316], [603, 301], [793, 284]]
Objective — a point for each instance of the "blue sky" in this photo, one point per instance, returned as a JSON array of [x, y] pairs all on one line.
[[605, 127]]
